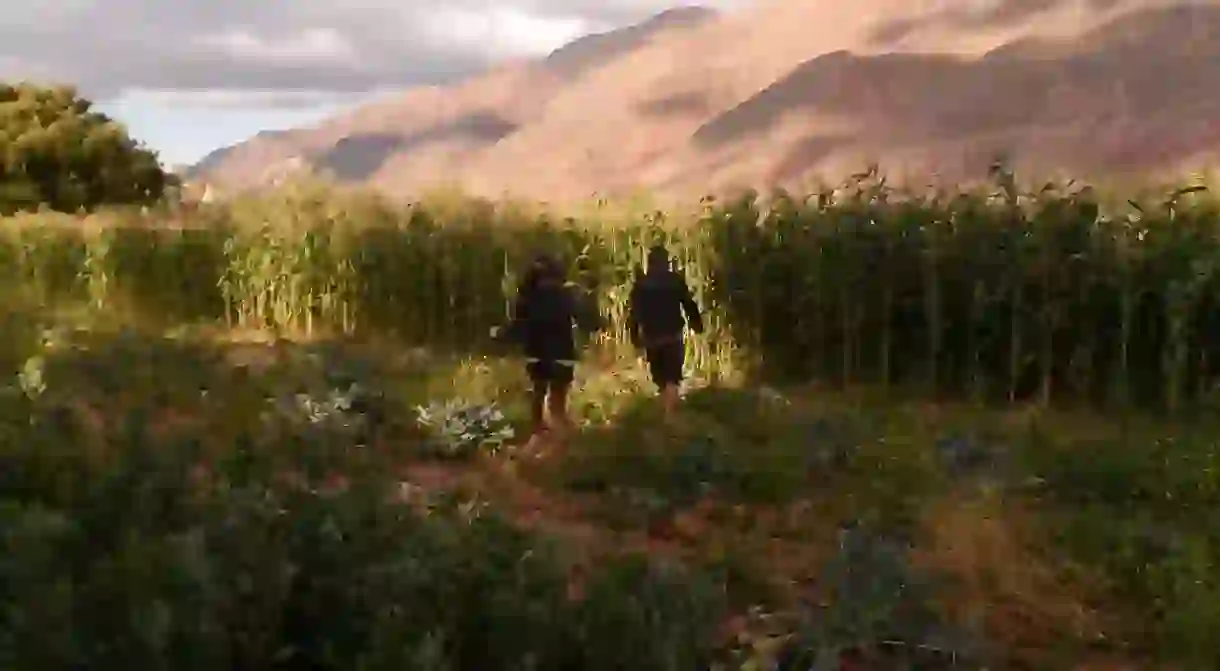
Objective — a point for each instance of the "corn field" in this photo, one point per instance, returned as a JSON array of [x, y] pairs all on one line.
[[991, 294]]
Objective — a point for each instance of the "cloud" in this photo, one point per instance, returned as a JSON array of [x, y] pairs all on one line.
[[264, 99], [310, 47], [503, 32], [300, 48]]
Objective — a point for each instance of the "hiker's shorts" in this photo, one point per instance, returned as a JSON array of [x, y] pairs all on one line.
[[551, 374]]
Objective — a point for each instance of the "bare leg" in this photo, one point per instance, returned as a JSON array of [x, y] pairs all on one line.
[[557, 405], [537, 403], [669, 399]]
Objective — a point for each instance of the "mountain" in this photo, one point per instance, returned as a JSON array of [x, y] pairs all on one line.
[[692, 101]]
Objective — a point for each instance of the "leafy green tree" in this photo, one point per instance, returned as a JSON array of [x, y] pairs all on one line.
[[56, 151]]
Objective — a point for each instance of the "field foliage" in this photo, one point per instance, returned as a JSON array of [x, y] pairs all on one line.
[[273, 433], [59, 153], [999, 296]]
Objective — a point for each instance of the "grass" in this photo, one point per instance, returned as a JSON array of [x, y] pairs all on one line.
[[893, 531], [211, 453]]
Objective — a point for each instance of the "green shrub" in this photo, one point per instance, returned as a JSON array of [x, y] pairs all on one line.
[[59, 153], [1141, 513], [230, 544]]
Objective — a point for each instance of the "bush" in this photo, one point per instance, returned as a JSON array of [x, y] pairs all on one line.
[[734, 446], [137, 545], [1140, 512], [59, 153]]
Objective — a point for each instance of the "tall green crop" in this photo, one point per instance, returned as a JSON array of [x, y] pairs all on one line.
[[992, 294]]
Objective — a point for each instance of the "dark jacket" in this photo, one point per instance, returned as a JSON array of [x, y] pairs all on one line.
[[543, 319], [656, 306]]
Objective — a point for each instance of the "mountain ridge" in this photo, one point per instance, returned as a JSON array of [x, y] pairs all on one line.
[[693, 101]]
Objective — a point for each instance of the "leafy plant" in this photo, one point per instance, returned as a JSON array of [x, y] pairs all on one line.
[[460, 428], [1138, 512], [124, 547], [63, 154], [876, 608]]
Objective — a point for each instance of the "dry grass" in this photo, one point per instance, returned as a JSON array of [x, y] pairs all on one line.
[[1002, 578]]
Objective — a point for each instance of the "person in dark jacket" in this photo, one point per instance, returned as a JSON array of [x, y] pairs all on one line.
[[660, 308], [544, 315]]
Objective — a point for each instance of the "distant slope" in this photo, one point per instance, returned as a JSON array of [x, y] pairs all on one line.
[[423, 132], [1136, 92], [580, 56], [690, 101]]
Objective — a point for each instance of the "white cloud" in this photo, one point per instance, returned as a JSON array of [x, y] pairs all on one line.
[[284, 99], [310, 46], [320, 45], [12, 67], [502, 32]]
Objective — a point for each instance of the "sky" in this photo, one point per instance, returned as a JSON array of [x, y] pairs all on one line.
[[190, 76]]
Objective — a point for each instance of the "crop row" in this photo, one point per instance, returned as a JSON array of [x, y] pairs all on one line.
[[998, 295]]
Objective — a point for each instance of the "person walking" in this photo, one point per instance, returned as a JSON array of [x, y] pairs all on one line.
[[544, 315], [660, 307]]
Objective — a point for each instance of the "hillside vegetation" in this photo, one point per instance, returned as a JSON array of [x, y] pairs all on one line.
[[938, 430]]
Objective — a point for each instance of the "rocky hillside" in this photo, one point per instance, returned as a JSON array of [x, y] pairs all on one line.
[[690, 101]]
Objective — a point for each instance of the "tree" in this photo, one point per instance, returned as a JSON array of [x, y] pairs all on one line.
[[56, 151]]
